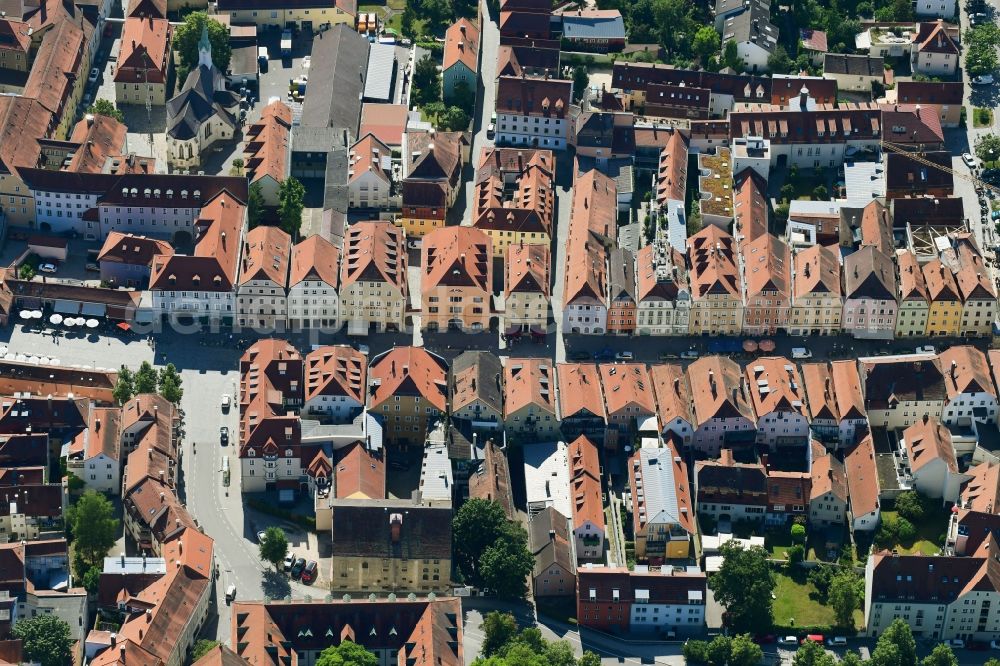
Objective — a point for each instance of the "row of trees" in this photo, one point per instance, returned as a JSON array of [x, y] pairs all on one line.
[[981, 44], [166, 382]]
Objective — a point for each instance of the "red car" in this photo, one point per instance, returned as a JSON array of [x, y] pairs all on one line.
[[764, 639], [309, 572], [815, 638]]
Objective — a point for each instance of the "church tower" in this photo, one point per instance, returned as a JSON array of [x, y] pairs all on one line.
[[205, 48]]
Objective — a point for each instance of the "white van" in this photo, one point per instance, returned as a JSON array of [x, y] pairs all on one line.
[[230, 594], [262, 53], [801, 352]]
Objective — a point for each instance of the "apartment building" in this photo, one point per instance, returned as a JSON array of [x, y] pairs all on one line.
[[457, 280], [475, 387], [662, 292], [778, 399], [730, 490], [581, 402], [979, 294], [836, 406], [828, 491], [265, 154], [944, 314], [527, 290], [869, 295], [530, 399], [408, 392], [900, 390], [675, 410], [662, 510], [310, 15], [549, 538], [460, 64], [432, 168], [817, 301], [533, 112], [261, 292], [586, 503], [313, 277], [863, 487], [593, 227], [641, 601], [629, 402], [335, 383], [723, 410], [374, 293], [971, 395], [144, 62], [369, 179], [914, 298], [716, 298], [767, 285]]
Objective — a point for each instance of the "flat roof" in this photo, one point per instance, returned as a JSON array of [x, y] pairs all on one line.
[[546, 477]]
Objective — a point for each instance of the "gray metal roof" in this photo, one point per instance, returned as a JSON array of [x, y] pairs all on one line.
[[659, 485], [339, 66], [381, 73], [586, 27]]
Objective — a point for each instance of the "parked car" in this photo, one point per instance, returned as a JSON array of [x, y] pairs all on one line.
[[689, 355], [969, 160], [226, 402], [491, 130], [764, 639], [624, 356], [926, 349], [983, 80], [604, 355], [801, 352], [955, 643], [579, 356], [94, 75], [47, 268], [788, 640], [309, 572], [813, 638], [363, 349], [306, 62], [995, 645], [296, 571], [224, 435], [92, 267], [836, 641], [230, 594]]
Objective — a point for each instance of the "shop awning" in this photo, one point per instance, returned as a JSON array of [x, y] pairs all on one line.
[[93, 309], [124, 326], [66, 307]]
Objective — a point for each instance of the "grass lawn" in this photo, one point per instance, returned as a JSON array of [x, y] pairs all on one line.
[[982, 117], [778, 542], [398, 5], [796, 601], [928, 531]]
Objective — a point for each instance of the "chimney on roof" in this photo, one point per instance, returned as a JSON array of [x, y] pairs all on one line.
[[711, 383], [163, 498], [803, 98], [552, 535], [97, 425], [395, 526]]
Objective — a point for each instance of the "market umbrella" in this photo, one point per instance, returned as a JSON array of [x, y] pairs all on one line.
[[37, 314], [767, 345], [93, 323], [749, 346], [56, 318], [69, 321], [25, 314], [55, 361]]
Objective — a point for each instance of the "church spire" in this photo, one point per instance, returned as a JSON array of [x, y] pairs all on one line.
[[205, 48]]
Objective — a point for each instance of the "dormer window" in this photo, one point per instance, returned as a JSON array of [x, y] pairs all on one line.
[[288, 453], [251, 453]]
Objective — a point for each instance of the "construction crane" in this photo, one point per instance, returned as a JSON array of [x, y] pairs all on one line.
[[916, 157]]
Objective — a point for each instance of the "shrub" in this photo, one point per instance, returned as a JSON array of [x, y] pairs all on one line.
[[798, 533], [906, 531], [796, 554], [696, 652]]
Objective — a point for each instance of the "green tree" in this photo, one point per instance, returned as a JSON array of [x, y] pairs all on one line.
[[706, 42], [731, 57], [988, 148], [581, 79], [406, 21], [696, 652], [820, 193], [201, 648], [170, 384], [506, 564], [238, 165], [743, 585], [798, 533], [291, 197], [475, 527], [124, 386], [895, 646], [719, 650], [941, 655], [905, 531], [438, 13], [498, 630], [910, 505], [46, 639], [188, 34], [94, 527], [90, 579], [744, 652], [589, 658], [26, 272], [255, 205], [812, 654], [843, 597], [348, 653], [274, 546], [426, 85], [462, 96], [103, 107], [146, 379], [852, 658], [454, 119], [779, 62], [796, 553], [992, 661]]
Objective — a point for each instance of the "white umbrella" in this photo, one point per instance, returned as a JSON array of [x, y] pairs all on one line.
[[10, 356], [55, 361], [36, 314], [3, 350], [34, 360], [93, 323], [56, 318], [21, 358], [26, 314], [70, 321]]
